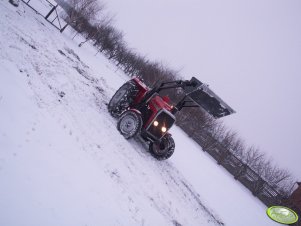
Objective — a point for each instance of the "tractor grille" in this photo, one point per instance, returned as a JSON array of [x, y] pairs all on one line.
[[165, 119]]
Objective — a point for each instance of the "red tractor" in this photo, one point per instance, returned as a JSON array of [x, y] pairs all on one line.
[[142, 111]]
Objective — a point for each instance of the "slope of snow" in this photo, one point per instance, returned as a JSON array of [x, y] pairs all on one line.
[[62, 161]]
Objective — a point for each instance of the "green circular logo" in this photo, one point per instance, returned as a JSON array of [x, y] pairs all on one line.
[[282, 214]]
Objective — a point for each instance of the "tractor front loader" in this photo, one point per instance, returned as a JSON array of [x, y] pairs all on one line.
[[142, 111]]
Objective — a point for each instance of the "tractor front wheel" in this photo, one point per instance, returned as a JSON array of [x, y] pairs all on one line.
[[163, 149], [129, 124]]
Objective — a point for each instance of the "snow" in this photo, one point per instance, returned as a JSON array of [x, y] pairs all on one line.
[[62, 161]]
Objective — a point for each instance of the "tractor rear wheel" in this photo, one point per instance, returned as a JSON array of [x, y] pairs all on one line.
[[122, 99], [129, 124], [163, 149]]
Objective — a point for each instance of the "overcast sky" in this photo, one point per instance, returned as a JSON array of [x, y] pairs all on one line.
[[249, 52]]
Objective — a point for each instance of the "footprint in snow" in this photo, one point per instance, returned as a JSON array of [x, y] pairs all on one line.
[[61, 94]]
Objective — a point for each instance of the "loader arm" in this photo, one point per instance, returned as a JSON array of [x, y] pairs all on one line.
[[198, 94]]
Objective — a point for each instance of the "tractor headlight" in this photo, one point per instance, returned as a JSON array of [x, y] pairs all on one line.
[[163, 129], [156, 123]]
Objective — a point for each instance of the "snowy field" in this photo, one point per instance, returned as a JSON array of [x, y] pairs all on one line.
[[62, 161]]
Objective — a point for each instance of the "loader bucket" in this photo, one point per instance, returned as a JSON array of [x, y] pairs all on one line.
[[202, 95]]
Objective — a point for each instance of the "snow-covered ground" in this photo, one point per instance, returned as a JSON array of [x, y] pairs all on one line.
[[62, 161]]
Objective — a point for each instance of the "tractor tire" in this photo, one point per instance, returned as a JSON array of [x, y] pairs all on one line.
[[122, 99], [163, 149], [129, 124]]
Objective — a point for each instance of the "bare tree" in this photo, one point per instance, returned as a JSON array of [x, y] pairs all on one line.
[[280, 179], [253, 158], [82, 13], [212, 140], [88, 9], [90, 32], [238, 147], [115, 43], [228, 139], [108, 40]]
